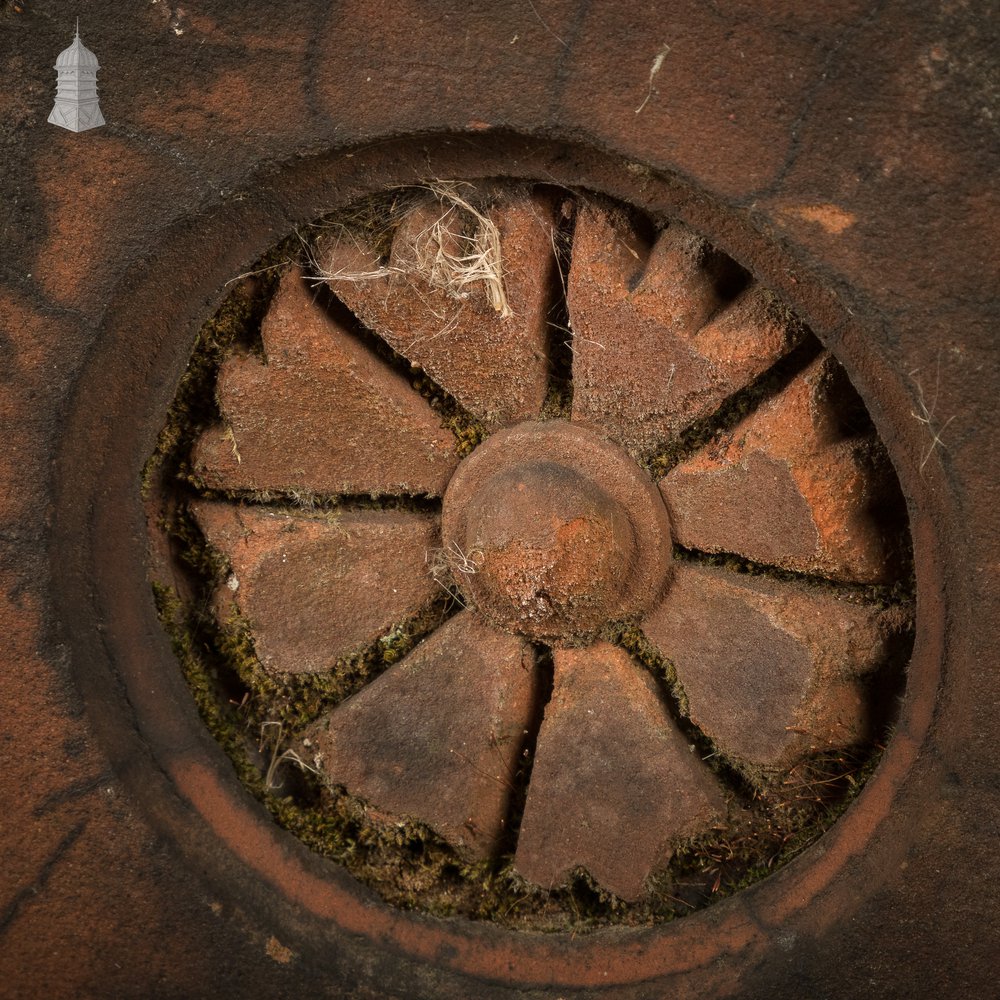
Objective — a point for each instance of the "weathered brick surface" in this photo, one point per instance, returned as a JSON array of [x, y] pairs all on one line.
[[614, 784], [318, 588], [771, 669], [659, 342], [894, 198], [81, 184], [494, 365], [438, 736], [796, 484], [87, 888], [322, 414]]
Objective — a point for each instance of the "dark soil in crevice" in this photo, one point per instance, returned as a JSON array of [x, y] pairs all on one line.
[[258, 717], [542, 682], [559, 395], [735, 408]]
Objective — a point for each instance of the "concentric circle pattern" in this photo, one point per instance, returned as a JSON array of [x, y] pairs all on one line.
[[529, 558]]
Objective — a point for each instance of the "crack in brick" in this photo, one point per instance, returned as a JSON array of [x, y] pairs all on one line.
[[29, 892], [72, 792]]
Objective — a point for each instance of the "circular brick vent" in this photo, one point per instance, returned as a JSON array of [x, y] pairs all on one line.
[[529, 558]]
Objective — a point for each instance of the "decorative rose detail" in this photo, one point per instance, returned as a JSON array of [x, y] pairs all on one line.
[[621, 503]]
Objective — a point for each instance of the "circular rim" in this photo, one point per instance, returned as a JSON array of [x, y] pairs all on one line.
[[139, 705]]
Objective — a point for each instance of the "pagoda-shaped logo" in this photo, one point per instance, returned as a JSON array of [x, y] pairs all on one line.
[[76, 106]]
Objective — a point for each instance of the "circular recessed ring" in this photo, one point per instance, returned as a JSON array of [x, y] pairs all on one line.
[[140, 707]]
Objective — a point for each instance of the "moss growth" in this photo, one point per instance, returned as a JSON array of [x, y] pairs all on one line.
[[258, 717], [633, 641], [235, 323]]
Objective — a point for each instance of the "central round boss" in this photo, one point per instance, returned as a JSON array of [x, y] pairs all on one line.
[[553, 530]]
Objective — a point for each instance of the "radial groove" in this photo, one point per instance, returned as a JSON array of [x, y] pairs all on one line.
[[559, 394], [735, 408], [732, 562], [521, 778], [305, 502], [674, 699]]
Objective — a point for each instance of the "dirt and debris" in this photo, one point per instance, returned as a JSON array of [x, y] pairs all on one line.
[[267, 698]]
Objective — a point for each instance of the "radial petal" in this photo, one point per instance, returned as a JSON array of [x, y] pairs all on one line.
[[614, 784], [317, 589], [663, 333], [493, 363], [771, 669], [793, 485], [438, 737], [322, 414]]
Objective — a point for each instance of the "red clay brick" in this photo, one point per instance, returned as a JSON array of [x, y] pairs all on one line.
[[614, 785], [657, 343], [315, 588], [770, 669], [437, 737], [495, 366], [322, 414], [789, 486]]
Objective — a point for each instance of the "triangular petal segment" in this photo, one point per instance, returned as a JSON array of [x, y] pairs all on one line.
[[317, 588], [471, 311], [771, 669], [801, 483], [321, 414], [614, 785], [665, 328], [439, 736]]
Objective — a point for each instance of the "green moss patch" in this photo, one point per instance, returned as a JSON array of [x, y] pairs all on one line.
[[259, 717]]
